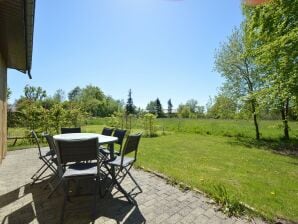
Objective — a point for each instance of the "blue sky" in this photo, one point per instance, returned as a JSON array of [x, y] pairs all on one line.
[[158, 48]]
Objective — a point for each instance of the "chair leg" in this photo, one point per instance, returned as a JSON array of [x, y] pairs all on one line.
[[65, 188], [119, 187], [36, 173], [55, 188], [37, 178], [133, 179], [96, 188]]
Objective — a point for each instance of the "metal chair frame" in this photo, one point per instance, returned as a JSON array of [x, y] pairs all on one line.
[[46, 158], [107, 131], [74, 153], [122, 169], [70, 130]]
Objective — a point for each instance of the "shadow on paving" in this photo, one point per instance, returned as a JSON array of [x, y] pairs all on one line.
[[78, 209]]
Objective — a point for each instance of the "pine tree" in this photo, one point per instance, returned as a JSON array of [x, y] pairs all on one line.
[[170, 108], [130, 108], [159, 110]]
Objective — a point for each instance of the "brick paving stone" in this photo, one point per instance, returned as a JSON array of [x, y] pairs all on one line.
[[159, 203]]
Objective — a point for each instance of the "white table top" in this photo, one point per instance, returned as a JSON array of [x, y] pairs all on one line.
[[102, 139]]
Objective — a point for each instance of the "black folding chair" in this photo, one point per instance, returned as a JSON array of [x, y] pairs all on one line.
[[70, 155], [120, 167], [120, 134], [107, 131], [70, 130], [46, 156]]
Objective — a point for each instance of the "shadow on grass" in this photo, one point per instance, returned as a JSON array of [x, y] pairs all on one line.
[[279, 146]]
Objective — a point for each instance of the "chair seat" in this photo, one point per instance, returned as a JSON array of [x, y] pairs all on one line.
[[117, 162], [81, 169], [45, 153], [104, 150]]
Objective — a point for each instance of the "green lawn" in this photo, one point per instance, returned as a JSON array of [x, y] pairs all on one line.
[[259, 178]]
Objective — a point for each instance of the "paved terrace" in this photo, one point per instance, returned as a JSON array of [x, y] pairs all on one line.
[[159, 203]]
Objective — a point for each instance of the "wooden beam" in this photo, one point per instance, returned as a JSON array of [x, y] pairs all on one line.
[[3, 109]]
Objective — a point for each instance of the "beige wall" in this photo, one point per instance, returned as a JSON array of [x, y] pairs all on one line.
[[3, 108]]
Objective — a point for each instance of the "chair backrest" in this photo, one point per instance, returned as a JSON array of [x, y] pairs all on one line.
[[120, 134], [70, 130], [34, 136], [50, 141], [131, 145], [107, 131], [76, 151]]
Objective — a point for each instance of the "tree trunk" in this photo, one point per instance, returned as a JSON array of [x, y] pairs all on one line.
[[284, 116], [253, 106]]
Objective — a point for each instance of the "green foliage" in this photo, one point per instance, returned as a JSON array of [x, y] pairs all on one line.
[[151, 107], [9, 92], [149, 122], [170, 108], [130, 108], [229, 205], [271, 35], [33, 116], [59, 95], [191, 109], [155, 107], [223, 107], [74, 94], [34, 93]]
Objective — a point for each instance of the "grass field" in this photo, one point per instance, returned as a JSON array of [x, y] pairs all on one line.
[[259, 178], [205, 154]]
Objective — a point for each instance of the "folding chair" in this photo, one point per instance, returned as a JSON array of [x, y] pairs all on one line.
[[107, 131], [70, 130], [46, 157], [120, 167], [120, 134], [70, 155]]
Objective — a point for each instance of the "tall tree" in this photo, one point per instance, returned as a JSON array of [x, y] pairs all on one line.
[[271, 33], [74, 94], [170, 108], [34, 93], [130, 107], [223, 107], [193, 105], [59, 95], [242, 77], [151, 107], [159, 109]]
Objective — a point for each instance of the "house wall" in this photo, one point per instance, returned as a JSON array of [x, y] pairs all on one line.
[[3, 108]]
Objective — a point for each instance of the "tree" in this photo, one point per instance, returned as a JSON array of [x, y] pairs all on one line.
[[74, 94], [130, 107], [159, 109], [9, 92], [59, 95], [170, 108], [223, 107], [92, 100], [193, 105], [271, 34], [34, 93], [151, 107], [184, 111], [242, 78]]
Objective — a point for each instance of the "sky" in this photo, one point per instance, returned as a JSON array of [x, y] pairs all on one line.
[[156, 48]]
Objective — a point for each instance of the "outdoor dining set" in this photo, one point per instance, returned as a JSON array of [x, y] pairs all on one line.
[[74, 157]]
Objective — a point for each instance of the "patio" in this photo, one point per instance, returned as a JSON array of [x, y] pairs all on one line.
[[159, 203]]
